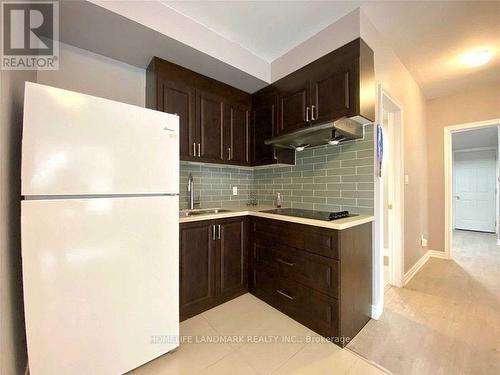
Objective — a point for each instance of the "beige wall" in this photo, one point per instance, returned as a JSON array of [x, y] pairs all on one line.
[[395, 78], [468, 106], [93, 74], [12, 336]]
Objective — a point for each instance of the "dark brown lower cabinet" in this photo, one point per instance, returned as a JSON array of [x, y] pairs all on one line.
[[213, 263], [320, 277], [232, 258], [197, 268]]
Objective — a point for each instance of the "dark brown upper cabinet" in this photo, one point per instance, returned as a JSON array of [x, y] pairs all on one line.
[[221, 124], [210, 117], [264, 126], [332, 94], [237, 134], [214, 117], [294, 97], [328, 88], [264, 116], [179, 98]]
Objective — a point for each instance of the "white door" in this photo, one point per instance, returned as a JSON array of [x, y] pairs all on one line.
[[76, 144], [475, 186], [101, 283]]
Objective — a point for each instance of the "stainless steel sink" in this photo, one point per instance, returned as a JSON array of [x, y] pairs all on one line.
[[202, 211]]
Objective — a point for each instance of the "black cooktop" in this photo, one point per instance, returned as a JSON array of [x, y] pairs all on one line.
[[310, 214]]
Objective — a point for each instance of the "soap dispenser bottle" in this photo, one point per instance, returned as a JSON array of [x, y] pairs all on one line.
[[279, 200]]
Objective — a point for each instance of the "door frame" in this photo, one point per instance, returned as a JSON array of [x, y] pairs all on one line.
[[454, 182], [397, 251], [448, 176]]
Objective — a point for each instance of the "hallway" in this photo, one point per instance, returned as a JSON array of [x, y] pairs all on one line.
[[447, 319]]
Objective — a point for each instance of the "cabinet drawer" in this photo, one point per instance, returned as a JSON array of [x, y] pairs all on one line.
[[312, 239], [314, 271], [309, 307]]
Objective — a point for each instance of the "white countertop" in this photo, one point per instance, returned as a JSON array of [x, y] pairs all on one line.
[[339, 224]]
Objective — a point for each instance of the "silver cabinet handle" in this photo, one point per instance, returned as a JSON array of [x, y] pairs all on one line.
[[213, 233], [229, 153], [275, 154], [194, 148], [312, 113], [218, 236], [199, 150], [346, 88], [279, 291], [307, 114], [282, 261]]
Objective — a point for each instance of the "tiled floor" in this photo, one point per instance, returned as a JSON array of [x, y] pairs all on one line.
[[447, 319], [253, 320]]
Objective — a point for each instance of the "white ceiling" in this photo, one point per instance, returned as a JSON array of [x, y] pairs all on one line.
[[485, 137], [428, 36], [431, 36], [266, 28]]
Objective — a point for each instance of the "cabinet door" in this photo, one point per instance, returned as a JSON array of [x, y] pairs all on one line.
[[197, 268], [333, 95], [210, 113], [180, 99], [293, 106], [237, 134], [232, 260], [264, 127]]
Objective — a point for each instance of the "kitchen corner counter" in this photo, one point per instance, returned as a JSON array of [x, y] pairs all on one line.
[[339, 224]]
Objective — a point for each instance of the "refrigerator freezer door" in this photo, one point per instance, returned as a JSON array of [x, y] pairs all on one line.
[[76, 144], [101, 283]]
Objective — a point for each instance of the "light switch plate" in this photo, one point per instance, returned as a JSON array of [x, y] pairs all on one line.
[[423, 241], [235, 190], [407, 179]]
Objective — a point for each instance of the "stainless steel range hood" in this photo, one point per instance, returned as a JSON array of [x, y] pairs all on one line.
[[341, 130]]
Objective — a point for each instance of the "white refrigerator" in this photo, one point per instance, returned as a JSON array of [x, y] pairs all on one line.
[[100, 233]]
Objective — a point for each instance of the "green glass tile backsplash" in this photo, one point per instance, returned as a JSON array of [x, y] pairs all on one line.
[[326, 178]]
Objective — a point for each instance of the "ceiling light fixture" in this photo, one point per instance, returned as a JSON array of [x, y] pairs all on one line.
[[476, 58]]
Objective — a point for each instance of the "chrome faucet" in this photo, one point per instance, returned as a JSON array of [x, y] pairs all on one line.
[[190, 187]]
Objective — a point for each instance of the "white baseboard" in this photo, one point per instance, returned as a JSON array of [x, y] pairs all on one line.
[[416, 267], [437, 254], [377, 310]]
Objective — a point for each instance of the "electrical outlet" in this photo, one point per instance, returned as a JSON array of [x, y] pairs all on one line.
[[407, 179], [235, 190], [423, 241]]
